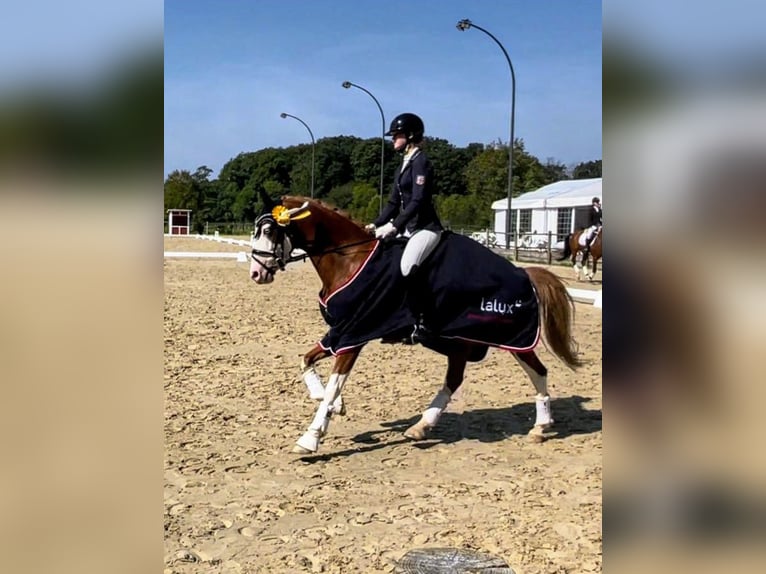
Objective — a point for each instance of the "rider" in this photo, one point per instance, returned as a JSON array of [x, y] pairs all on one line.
[[595, 221], [410, 211]]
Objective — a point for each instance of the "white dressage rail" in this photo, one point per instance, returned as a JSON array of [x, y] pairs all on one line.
[[240, 256], [587, 296], [217, 238], [582, 295]]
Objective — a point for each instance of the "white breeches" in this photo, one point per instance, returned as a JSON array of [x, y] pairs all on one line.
[[419, 247], [588, 236]]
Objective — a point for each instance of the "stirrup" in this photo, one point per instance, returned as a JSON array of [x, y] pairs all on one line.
[[402, 336], [422, 334]]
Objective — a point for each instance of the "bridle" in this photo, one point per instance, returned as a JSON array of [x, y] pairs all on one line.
[[278, 253]]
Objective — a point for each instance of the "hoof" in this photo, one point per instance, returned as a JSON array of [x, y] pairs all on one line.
[[540, 433], [341, 411], [417, 431], [307, 444]]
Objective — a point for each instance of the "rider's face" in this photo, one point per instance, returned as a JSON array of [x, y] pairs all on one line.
[[399, 140]]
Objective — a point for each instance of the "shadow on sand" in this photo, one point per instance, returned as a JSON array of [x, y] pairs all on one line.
[[484, 425]]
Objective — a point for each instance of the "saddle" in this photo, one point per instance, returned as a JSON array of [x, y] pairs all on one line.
[[588, 236]]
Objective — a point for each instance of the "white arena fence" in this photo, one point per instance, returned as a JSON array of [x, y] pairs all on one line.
[[582, 295]]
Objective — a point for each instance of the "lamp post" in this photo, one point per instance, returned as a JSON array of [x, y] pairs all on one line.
[[347, 85], [313, 145], [464, 25]]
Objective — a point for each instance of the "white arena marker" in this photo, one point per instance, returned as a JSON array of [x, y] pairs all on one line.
[[587, 296], [241, 257], [202, 254]]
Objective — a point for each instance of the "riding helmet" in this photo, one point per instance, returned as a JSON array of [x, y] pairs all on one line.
[[596, 200], [408, 124]]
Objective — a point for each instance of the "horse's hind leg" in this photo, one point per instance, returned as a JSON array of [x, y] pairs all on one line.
[[452, 381], [538, 374], [592, 270], [309, 441]]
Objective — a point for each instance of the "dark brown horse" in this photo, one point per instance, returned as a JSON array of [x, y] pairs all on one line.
[[338, 247], [572, 247]]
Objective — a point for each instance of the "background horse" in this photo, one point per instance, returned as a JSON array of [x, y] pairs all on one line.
[[338, 247], [572, 247]]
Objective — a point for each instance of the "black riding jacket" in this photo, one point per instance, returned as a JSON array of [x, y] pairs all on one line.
[[595, 217], [411, 201]]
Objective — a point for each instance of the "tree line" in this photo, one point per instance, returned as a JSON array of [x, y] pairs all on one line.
[[347, 175]]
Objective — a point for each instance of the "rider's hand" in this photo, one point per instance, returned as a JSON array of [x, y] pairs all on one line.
[[386, 230], [370, 228]]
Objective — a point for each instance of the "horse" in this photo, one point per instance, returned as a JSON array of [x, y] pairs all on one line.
[[338, 247], [572, 247]]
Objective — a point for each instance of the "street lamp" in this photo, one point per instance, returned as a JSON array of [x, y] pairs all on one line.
[[283, 115], [464, 25], [347, 85]]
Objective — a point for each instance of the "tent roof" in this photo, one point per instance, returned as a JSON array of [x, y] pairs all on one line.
[[564, 193]]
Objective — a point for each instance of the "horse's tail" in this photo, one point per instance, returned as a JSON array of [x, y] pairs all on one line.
[[556, 314], [567, 249]]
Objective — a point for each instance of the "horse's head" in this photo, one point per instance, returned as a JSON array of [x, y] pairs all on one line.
[[271, 244]]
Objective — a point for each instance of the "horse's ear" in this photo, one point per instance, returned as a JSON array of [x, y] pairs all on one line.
[[268, 203]]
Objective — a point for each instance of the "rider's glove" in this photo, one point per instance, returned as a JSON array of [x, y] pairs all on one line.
[[386, 230]]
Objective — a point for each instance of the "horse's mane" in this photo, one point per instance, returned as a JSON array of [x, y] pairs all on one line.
[[327, 208]]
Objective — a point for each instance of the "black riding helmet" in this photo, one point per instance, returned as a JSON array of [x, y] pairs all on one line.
[[596, 200], [408, 124]]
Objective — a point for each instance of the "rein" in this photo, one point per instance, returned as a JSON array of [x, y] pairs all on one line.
[[281, 263], [326, 251]]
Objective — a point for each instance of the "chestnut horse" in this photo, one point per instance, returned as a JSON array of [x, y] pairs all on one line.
[[338, 247], [572, 247]]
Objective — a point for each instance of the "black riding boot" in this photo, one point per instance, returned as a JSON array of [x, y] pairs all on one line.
[[585, 254], [413, 298], [417, 301]]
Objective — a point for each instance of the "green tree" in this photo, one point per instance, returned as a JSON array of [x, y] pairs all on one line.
[[457, 210], [587, 170], [486, 181], [364, 205]]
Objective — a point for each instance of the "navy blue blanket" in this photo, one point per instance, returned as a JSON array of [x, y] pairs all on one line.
[[470, 292]]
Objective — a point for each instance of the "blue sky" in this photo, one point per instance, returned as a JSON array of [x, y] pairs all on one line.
[[231, 67]]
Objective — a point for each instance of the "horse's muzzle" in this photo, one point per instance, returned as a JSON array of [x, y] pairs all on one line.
[[261, 276]]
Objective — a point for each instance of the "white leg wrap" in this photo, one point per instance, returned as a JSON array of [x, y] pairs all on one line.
[[437, 406], [321, 418], [543, 407], [324, 411], [314, 383]]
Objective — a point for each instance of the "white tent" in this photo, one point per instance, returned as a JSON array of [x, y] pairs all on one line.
[[559, 208]]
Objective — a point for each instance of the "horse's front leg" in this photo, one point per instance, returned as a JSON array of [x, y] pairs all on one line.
[[341, 369], [314, 382], [308, 372], [576, 263]]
